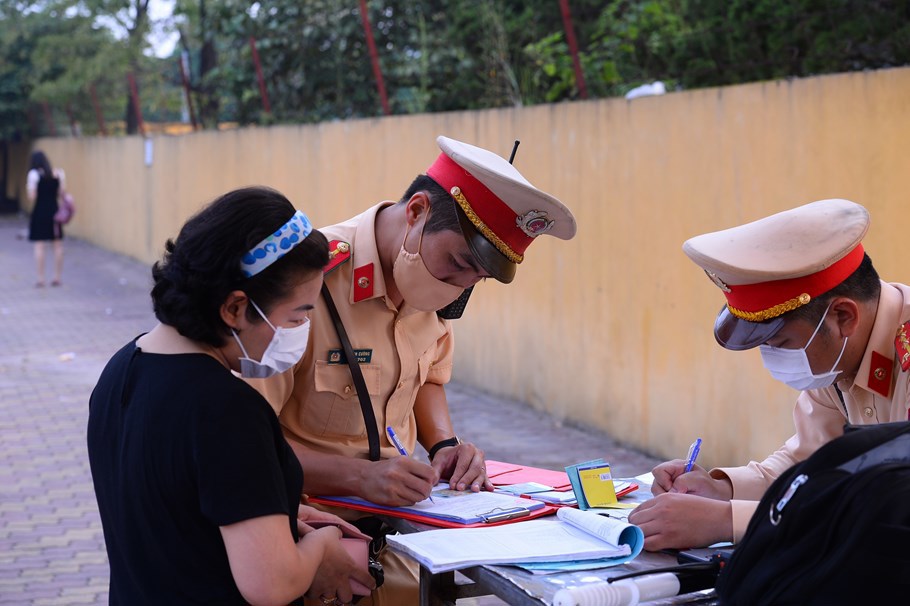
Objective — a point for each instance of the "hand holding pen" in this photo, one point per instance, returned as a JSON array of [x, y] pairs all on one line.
[[400, 447], [683, 476], [692, 455]]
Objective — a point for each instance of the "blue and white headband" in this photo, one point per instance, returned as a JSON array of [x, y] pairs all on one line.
[[276, 245]]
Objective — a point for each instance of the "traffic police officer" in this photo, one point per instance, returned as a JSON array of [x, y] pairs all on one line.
[[472, 216], [799, 286]]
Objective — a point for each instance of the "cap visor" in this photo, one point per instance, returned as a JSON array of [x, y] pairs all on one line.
[[494, 262], [738, 335]]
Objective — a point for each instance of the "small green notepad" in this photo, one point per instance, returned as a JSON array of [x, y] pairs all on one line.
[[592, 483]]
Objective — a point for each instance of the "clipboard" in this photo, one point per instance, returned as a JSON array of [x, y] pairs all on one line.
[[526, 509]]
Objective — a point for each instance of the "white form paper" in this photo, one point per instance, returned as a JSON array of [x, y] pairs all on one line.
[[530, 541]]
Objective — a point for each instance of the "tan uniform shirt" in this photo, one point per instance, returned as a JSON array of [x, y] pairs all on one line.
[[399, 351], [879, 394]]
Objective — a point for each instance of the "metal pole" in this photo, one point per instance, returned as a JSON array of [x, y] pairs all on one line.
[[266, 106], [99, 117], [32, 121], [573, 48], [49, 119], [186, 87], [374, 57], [69, 114], [137, 106]]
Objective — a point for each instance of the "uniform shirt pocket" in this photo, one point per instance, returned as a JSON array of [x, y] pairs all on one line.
[[334, 408], [424, 364]]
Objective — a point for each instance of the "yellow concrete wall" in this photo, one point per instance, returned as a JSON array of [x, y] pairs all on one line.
[[612, 329]]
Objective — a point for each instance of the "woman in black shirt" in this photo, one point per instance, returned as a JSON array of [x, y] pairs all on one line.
[[197, 488]]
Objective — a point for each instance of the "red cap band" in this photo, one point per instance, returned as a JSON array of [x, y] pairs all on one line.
[[748, 301], [492, 212]]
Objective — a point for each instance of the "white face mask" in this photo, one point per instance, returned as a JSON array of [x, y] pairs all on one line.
[[791, 366], [284, 350]]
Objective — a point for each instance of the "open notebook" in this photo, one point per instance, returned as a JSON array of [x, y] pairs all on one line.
[[575, 535]]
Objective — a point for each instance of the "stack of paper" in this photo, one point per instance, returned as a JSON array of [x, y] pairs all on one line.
[[576, 535], [540, 492]]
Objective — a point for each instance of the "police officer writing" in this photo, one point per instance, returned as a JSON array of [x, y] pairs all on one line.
[[800, 287], [392, 268]]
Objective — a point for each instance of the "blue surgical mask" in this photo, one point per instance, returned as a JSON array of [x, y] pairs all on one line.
[[284, 350], [791, 366]]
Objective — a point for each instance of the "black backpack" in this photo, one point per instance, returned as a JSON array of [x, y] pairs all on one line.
[[833, 529]]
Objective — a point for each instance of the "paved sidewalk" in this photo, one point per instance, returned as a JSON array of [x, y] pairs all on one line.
[[54, 343]]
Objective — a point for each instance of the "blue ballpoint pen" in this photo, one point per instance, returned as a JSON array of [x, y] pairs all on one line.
[[693, 454], [401, 449]]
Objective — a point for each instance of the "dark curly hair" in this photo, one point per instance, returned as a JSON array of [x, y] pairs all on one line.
[[202, 266]]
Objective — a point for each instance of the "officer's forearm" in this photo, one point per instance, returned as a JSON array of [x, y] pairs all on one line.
[[431, 411], [329, 474]]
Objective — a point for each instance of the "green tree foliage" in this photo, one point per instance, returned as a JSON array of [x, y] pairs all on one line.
[[623, 44], [436, 55], [732, 41], [55, 54], [68, 58], [43, 55], [14, 74], [441, 55], [131, 18]]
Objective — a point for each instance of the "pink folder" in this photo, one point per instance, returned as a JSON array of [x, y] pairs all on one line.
[[503, 474]]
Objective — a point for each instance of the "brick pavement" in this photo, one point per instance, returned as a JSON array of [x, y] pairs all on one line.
[[54, 343]]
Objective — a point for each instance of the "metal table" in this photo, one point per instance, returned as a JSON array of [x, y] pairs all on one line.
[[518, 587]]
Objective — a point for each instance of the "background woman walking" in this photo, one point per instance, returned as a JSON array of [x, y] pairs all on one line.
[[44, 187]]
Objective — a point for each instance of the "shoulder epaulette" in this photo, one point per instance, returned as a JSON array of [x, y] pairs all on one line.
[[902, 346], [339, 252]]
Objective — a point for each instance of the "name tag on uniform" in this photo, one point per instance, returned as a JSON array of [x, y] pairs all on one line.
[[363, 356]]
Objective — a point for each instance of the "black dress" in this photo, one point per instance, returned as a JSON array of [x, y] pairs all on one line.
[[179, 447], [42, 226]]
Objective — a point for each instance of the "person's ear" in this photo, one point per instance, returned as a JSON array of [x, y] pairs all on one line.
[[418, 206], [233, 310], [845, 312]]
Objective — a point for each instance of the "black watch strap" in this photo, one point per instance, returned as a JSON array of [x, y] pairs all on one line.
[[443, 444]]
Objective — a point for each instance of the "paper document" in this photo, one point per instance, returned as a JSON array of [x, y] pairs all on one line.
[[541, 492], [610, 530], [458, 505], [646, 478], [576, 535]]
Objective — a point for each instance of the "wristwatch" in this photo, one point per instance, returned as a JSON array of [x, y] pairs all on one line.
[[443, 444]]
